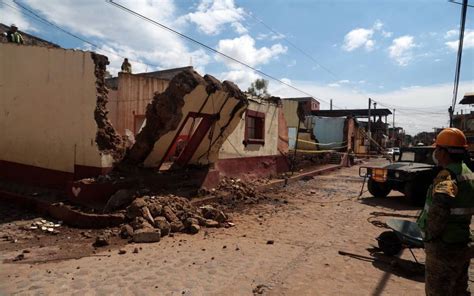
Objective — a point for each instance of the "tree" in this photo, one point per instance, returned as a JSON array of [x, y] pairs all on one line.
[[259, 88]]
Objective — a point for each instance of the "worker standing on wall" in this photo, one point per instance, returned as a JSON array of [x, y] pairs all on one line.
[[126, 66], [446, 218], [14, 36]]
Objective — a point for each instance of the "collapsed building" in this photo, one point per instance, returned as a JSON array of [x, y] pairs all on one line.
[[65, 122]]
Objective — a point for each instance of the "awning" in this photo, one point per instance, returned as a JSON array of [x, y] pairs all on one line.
[[468, 98]]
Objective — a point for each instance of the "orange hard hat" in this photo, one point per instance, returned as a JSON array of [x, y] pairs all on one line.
[[451, 137]]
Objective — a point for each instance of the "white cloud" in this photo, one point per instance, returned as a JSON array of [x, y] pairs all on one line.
[[401, 50], [334, 85], [243, 78], [116, 31], [212, 15], [11, 14], [378, 25], [358, 38], [243, 49], [362, 37], [467, 43], [387, 34], [344, 81], [270, 36], [287, 81], [239, 28], [451, 33]]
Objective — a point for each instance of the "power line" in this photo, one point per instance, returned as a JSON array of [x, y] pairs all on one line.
[[292, 44], [454, 2], [43, 20], [300, 50], [407, 111], [141, 16]]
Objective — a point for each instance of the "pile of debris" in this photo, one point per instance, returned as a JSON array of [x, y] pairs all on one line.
[[236, 191], [152, 217], [45, 226]]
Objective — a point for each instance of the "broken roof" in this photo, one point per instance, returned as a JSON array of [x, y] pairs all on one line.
[[301, 99], [167, 74], [468, 98], [352, 112]]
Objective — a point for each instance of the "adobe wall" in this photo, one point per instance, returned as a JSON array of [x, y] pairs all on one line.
[[132, 96], [48, 100]]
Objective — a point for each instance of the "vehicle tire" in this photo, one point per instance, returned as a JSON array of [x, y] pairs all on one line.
[[378, 189], [389, 243], [416, 193]]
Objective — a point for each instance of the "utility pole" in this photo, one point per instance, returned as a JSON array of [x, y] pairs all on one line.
[[368, 125], [330, 104], [458, 62], [375, 107], [393, 122]]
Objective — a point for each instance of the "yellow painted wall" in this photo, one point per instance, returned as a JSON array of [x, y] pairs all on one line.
[[47, 102], [112, 106], [233, 147], [133, 95]]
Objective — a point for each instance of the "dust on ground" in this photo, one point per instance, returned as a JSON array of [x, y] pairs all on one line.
[[313, 237]]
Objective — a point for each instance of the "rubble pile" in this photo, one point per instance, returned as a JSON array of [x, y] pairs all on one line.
[[45, 226], [152, 217], [237, 191]]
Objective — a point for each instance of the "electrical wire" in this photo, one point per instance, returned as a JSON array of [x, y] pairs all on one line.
[[292, 44], [156, 23], [34, 15]]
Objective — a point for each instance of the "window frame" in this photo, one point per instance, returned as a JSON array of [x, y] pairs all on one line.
[[259, 118]]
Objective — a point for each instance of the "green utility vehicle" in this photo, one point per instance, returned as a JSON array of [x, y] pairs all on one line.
[[411, 174]]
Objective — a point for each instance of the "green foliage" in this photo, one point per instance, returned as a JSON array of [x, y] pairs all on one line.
[[259, 88]]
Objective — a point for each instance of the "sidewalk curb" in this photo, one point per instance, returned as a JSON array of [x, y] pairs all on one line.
[[61, 212], [296, 178], [273, 184]]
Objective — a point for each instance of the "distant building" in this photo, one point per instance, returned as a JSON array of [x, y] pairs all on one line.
[[310, 103]]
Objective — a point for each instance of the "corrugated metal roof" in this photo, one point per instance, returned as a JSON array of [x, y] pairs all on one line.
[[352, 112]]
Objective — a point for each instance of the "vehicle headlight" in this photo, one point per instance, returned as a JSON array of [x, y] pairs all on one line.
[[379, 175]]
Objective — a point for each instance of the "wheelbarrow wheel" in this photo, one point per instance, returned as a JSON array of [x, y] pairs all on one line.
[[389, 243]]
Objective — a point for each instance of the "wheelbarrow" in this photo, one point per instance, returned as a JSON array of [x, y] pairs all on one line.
[[403, 234]]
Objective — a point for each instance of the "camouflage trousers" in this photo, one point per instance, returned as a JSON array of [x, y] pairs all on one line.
[[446, 269]]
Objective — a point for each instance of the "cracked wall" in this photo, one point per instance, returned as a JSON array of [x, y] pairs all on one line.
[[107, 139], [52, 109], [187, 93]]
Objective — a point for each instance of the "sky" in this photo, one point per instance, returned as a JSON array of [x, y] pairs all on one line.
[[400, 53]]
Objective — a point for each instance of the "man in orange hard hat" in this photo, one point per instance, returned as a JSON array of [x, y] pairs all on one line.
[[446, 218]]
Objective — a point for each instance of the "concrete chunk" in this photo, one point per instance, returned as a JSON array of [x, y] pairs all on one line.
[[147, 235]]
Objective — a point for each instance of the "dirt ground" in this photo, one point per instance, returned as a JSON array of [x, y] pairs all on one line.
[[322, 242]]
